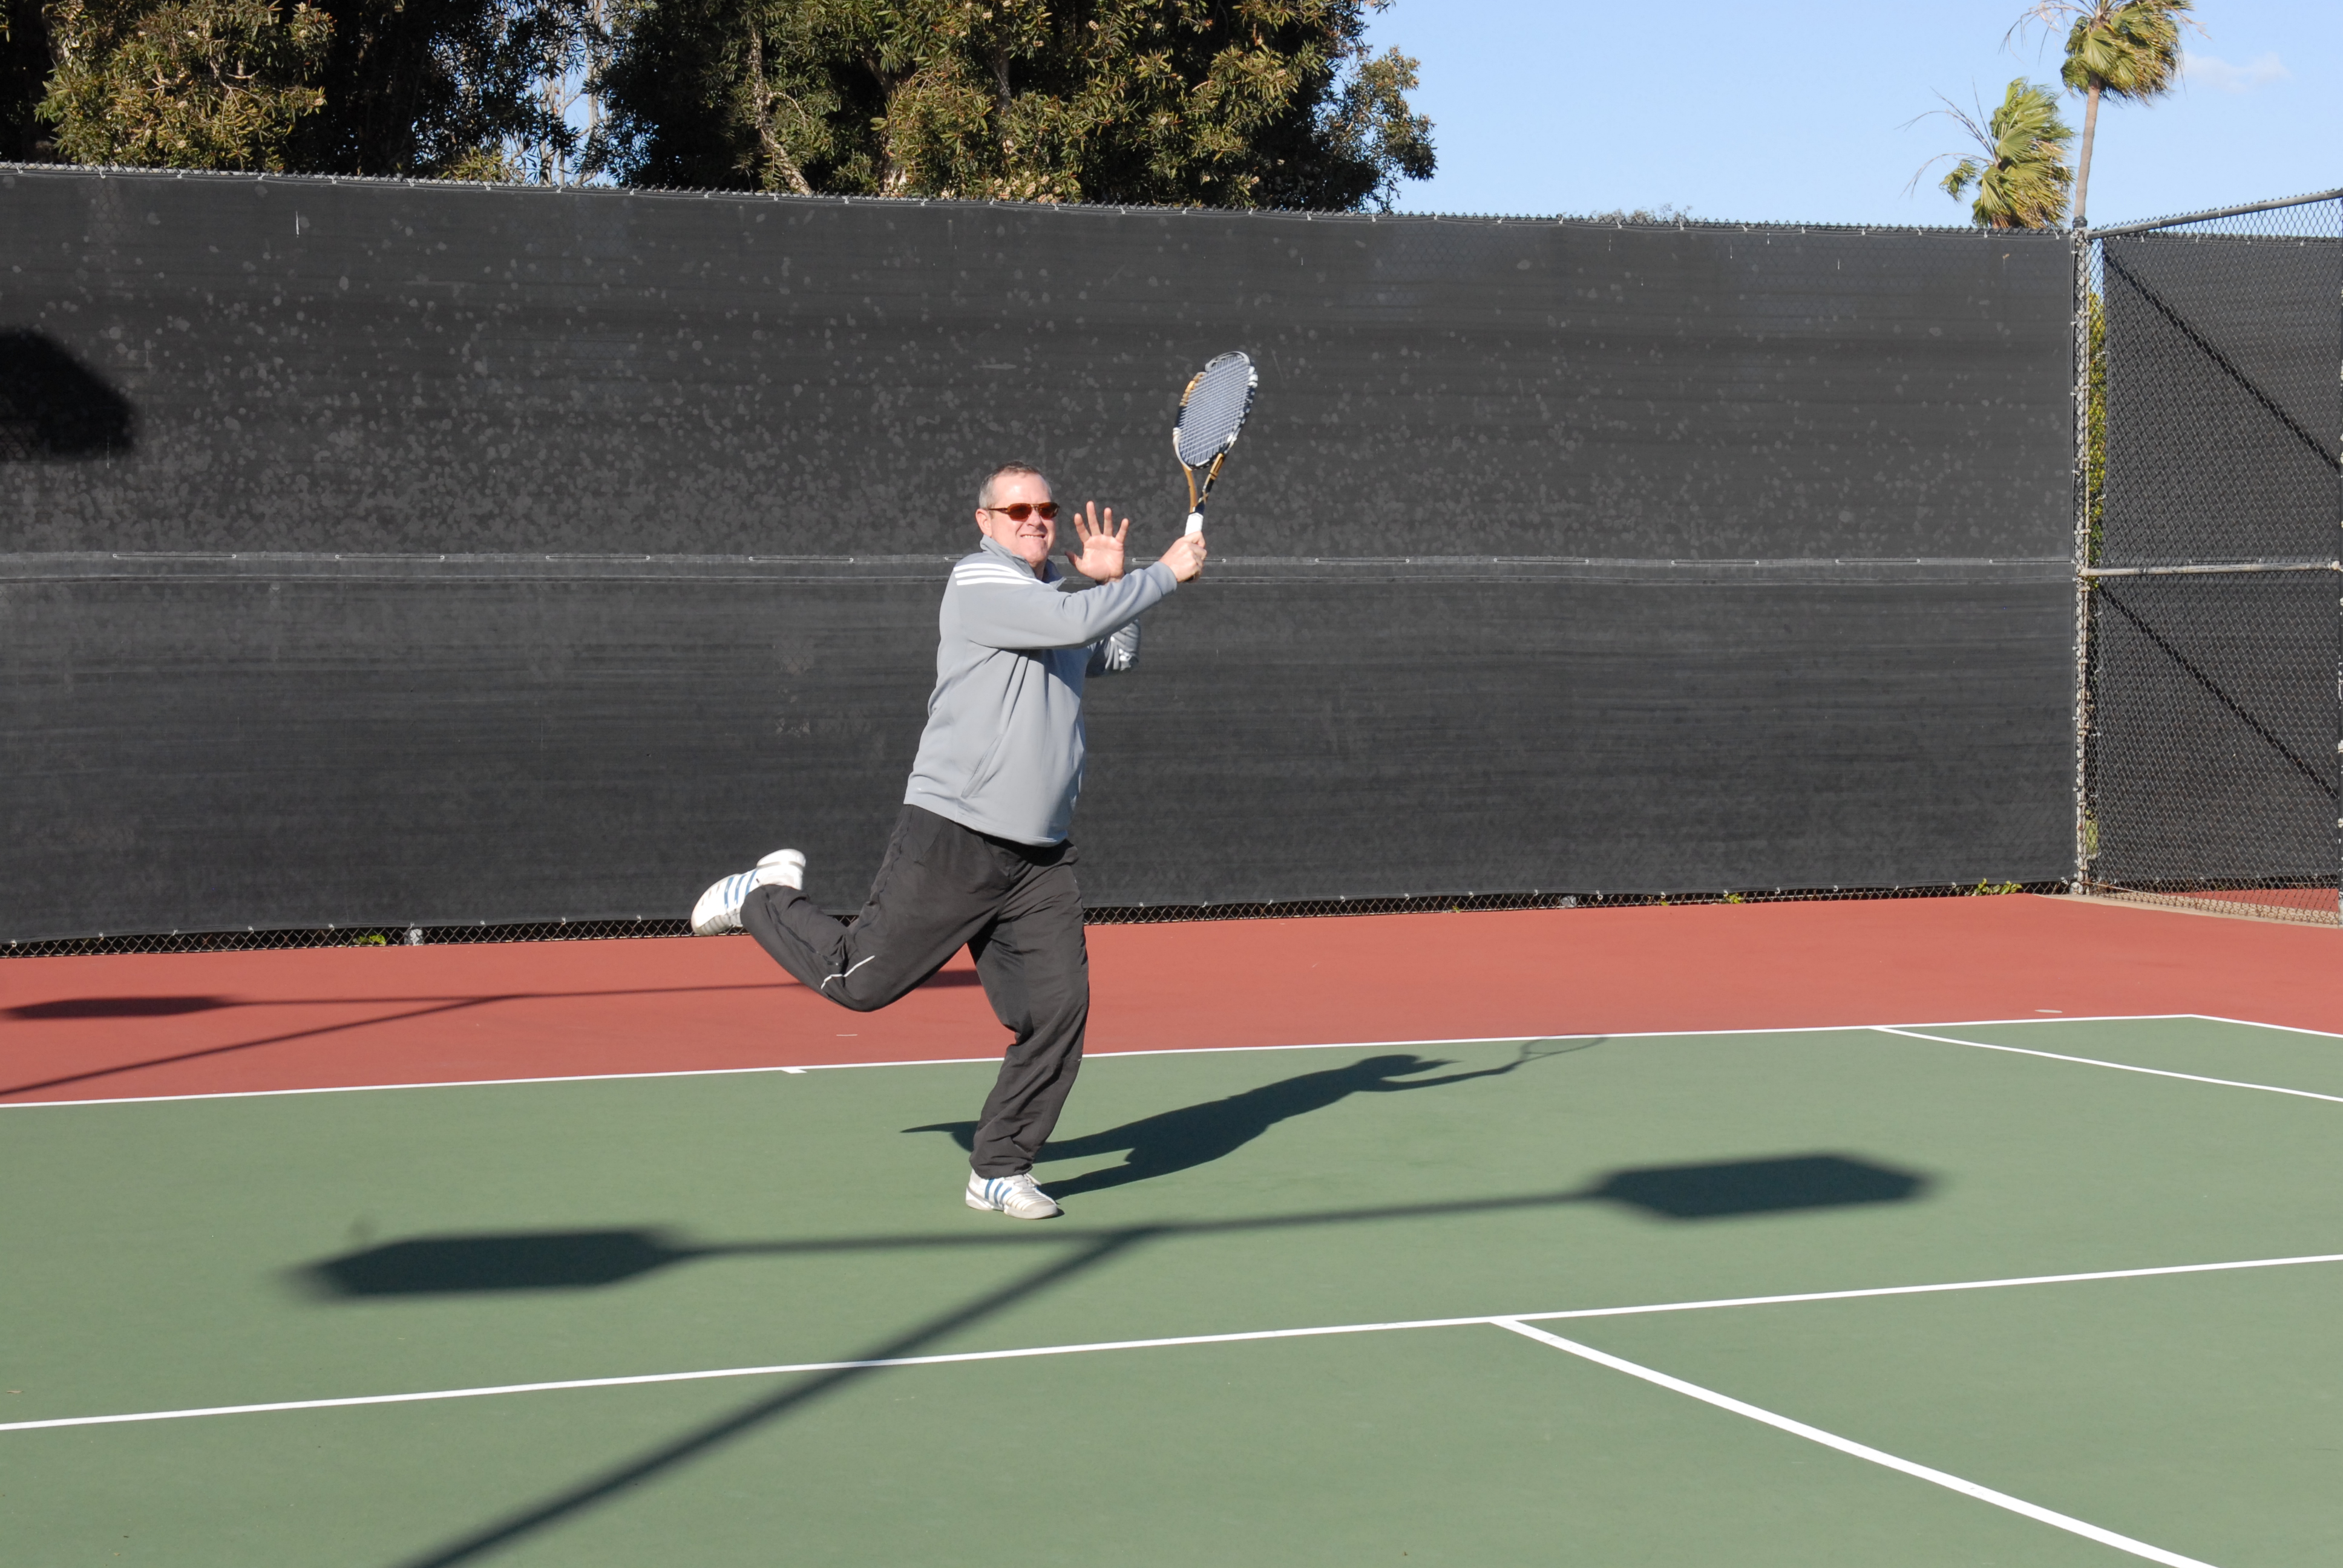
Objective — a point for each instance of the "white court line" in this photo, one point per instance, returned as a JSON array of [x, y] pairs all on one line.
[[508, 1082], [1088, 1056], [1028, 1351], [2253, 1023], [1846, 1446], [2117, 1066], [1019, 1354], [1874, 1290]]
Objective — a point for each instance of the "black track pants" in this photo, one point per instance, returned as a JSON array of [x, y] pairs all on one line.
[[942, 887]]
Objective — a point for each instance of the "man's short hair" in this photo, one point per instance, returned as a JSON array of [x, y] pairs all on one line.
[[1006, 471]]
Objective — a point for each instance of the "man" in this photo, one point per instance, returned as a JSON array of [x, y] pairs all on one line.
[[979, 855]]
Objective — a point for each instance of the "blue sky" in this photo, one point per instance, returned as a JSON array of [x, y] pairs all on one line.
[[1799, 113]]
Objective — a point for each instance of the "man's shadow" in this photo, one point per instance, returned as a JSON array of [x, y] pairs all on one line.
[[1173, 1140]]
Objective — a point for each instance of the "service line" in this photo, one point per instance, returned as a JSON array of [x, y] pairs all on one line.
[[1025, 1353]]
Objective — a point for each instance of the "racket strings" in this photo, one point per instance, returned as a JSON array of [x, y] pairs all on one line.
[[1214, 410]]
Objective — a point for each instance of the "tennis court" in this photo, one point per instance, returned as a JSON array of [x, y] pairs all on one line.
[[1876, 1276]]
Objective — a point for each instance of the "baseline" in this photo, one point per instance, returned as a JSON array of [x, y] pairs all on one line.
[[2252, 1023], [1024, 1353], [2116, 1066], [2018, 1505], [1091, 1056]]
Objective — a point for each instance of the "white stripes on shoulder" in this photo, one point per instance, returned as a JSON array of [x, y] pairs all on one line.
[[980, 572]]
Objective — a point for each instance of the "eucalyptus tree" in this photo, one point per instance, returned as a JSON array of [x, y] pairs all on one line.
[[318, 87], [24, 67], [186, 83], [444, 87], [1221, 103], [2119, 48]]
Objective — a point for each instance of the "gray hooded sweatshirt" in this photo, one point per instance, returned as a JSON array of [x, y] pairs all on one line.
[[1003, 752]]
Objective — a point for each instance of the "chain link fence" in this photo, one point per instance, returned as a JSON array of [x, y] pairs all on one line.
[[2210, 411]]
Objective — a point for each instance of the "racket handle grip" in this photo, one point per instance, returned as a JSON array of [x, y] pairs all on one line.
[[1195, 522]]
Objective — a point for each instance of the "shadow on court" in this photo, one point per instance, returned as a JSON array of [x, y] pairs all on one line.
[[429, 1006], [1193, 1135], [119, 1007], [82, 1007], [575, 1260]]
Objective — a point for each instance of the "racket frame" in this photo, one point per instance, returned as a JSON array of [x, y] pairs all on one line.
[[1197, 496]]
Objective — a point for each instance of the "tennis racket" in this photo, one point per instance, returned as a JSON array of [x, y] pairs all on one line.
[[1212, 411]]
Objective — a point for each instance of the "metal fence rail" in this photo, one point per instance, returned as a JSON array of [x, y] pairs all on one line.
[[2208, 398]]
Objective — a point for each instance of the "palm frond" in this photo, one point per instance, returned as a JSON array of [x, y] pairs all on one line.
[[2124, 48], [2019, 174], [2133, 51]]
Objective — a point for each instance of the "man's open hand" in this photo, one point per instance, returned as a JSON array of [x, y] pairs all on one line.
[[1186, 557], [1100, 559]]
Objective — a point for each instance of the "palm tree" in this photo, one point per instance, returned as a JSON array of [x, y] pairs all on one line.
[[2129, 48], [2022, 180]]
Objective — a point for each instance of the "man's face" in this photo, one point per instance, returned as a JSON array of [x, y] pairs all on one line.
[[1029, 540]]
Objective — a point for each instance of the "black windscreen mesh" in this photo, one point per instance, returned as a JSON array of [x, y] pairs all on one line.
[[2214, 724], [531, 749], [2215, 728], [2221, 397], [341, 367], [438, 554]]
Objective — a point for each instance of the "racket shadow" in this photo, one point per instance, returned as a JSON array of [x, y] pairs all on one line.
[[1170, 1141]]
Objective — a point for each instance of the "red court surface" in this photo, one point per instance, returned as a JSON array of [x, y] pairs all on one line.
[[208, 1023]]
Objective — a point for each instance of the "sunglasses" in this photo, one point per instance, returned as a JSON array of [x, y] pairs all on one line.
[[1024, 509]]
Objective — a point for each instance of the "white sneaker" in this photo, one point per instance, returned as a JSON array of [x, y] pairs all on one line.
[[1015, 1196], [718, 909]]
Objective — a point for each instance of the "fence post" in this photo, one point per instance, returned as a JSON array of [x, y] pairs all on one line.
[[2082, 444]]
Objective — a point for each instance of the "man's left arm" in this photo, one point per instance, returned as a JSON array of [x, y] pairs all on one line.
[[1115, 655]]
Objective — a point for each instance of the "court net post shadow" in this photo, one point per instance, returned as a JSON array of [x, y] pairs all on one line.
[[522, 1261]]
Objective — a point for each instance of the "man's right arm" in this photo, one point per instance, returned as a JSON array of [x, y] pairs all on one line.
[[999, 608], [998, 611]]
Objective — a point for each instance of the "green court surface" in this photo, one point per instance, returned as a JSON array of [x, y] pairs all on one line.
[[193, 1254]]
